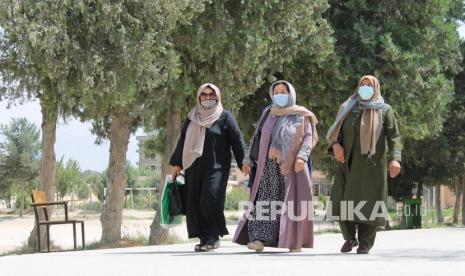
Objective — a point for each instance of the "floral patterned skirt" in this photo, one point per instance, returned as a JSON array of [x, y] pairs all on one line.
[[265, 227]]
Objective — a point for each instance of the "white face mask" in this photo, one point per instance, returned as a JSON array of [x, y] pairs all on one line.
[[208, 103], [366, 92]]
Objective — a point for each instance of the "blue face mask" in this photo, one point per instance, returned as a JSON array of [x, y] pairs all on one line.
[[366, 92], [281, 99]]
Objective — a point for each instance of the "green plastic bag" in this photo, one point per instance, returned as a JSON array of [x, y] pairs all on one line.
[[166, 221]]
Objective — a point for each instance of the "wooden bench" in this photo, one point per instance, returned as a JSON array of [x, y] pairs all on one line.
[[40, 202]]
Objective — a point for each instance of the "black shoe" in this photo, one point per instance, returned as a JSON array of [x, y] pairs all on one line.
[[363, 249], [213, 244], [201, 247], [349, 245]]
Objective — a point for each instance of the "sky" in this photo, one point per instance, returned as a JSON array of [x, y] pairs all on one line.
[[74, 139]]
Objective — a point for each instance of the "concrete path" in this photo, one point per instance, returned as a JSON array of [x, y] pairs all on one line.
[[14, 231], [409, 252]]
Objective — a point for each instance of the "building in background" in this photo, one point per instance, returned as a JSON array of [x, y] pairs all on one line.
[[153, 161]]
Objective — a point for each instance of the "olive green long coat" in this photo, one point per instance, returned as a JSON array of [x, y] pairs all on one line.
[[360, 178]]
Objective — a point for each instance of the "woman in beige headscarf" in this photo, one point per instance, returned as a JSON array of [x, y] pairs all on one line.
[[365, 126], [204, 152]]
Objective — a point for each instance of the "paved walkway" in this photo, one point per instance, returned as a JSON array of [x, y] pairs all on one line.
[[409, 252], [14, 231]]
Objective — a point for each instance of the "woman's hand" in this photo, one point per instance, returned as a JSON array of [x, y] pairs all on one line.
[[245, 169], [394, 168], [176, 172], [339, 153], [299, 165]]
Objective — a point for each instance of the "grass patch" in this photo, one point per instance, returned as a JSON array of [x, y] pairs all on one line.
[[233, 198], [26, 249], [329, 230], [132, 241], [428, 219], [126, 241]]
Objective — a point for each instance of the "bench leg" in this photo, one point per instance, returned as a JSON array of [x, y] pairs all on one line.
[[83, 236], [74, 235], [38, 238], [48, 238]]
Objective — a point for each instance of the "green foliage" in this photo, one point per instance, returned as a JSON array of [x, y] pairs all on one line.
[[94, 59], [324, 200], [148, 178], [83, 191], [93, 206], [39, 54], [19, 158], [132, 175], [68, 178], [96, 183], [155, 145], [238, 45], [20, 151], [440, 158], [411, 46], [455, 124], [6, 191], [312, 69], [126, 55], [233, 198], [141, 177], [27, 202]]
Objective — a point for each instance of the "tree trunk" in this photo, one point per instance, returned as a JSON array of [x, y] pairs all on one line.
[[21, 198], [8, 201], [72, 202], [159, 235], [419, 190], [112, 213], [437, 203], [47, 171], [463, 201], [457, 200]]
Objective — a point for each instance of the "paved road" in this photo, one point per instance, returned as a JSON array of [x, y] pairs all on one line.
[[409, 252], [14, 231]]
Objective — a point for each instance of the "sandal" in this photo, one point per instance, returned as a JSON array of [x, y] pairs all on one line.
[[258, 246]]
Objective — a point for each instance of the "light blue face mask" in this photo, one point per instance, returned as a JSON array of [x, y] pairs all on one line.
[[366, 92], [281, 99]]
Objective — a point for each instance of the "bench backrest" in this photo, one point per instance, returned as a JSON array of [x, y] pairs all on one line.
[[38, 197]]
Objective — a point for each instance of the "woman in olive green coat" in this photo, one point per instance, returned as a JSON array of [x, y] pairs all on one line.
[[363, 139]]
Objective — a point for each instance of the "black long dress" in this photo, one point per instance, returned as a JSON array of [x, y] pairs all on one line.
[[207, 177]]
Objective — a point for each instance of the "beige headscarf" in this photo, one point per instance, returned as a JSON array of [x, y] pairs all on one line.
[[200, 119], [371, 125]]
